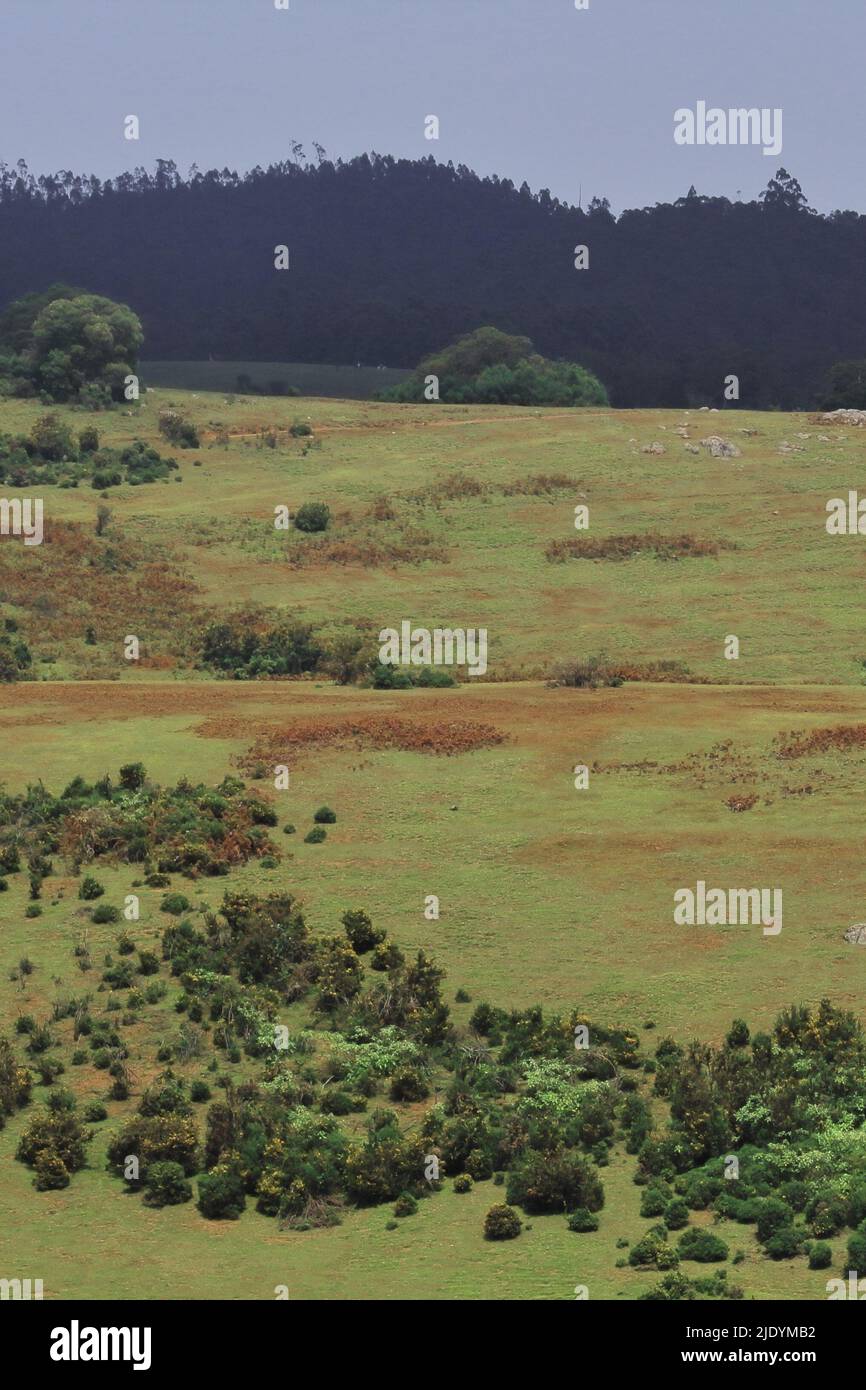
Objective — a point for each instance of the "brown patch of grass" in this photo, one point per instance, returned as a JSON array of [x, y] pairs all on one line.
[[412, 547], [798, 743], [451, 489], [113, 583], [378, 732], [540, 485], [624, 547], [742, 803]]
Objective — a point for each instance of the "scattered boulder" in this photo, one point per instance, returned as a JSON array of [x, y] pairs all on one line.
[[654, 448], [721, 448], [845, 417], [856, 934]]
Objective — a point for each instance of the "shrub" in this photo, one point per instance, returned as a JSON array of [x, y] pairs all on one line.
[[325, 816], [738, 1034], [559, 1180], [312, 516], [654, 1199], [405, 1205], [199, 1091], [582, 1220], [463, 1183], [361, 932], [772, 1215], [94, 1112], [316, 835], [820, 1255], [676, 1215], [105, 913], [826, 1214], [221, 1195], [386, 956], [857, 1248], [336, 1103], [59, 1134], [409, 1084], [51, 1171], [501, 1223], [174, 903], [90, 888], [650, 1249], [784, 1243], [702, 1246], [166, 1185], [132, 777], [178, 430]]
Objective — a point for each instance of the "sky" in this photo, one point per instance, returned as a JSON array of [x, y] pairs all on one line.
[[579, 101]]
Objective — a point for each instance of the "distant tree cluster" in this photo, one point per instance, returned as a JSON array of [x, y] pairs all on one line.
[[488, 367], [63, 344]]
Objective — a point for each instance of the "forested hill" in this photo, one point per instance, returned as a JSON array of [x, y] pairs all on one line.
[[390, 259]]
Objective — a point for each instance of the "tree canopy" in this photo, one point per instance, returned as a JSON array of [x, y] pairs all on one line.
[[490, 367]]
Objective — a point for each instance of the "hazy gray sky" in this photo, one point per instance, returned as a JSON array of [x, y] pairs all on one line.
[[528, 89]]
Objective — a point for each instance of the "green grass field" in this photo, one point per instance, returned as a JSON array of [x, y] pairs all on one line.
[[548, 894]]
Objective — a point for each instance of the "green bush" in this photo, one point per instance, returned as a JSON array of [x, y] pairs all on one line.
[[501, 1223], [312, 516], [784, 1243], [166, 1185], [51, 1172], [325, 816], [90, 888], [773, 1214], [654, 1198], [409, 1084], [857, 1248], [174, 903], [582, 1220], [221, 1195], [361, 932], [676, 1215], [105, 913], [820, 1255], [557, 1180], [702, 1246], [316, 835], [462, 1183], [405, 1205]]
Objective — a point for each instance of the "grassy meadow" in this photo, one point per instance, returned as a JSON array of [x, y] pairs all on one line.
[[548, 894]]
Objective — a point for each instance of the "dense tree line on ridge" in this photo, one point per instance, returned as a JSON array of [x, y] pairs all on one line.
[[389, 259]]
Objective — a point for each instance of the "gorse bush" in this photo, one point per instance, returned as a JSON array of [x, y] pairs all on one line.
[[312, 516]]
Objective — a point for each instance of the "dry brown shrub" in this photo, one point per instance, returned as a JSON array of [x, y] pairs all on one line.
[[798, 743], [445, 736], [540, 485], [624, 547]]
